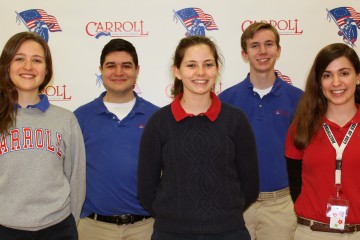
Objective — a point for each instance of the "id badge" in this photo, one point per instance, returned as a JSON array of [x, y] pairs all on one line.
[[337, 210]]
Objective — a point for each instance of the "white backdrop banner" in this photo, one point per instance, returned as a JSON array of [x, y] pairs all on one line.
[[77, 31]]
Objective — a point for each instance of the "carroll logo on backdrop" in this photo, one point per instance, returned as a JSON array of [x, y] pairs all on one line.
[[57, 93], [348, 22], [195, 21], [99, 83], [284, 27], [116, 29], [38, 21]]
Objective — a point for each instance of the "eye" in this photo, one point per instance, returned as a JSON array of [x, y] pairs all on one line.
[[127, 66], [38, 60], [345, 73], [325, 76], [190, 65], [18, 59], [110, 66], [254, 46], [209, 65], [270, 44]]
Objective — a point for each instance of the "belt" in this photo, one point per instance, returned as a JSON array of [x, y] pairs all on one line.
[[273, 195], [118, 219], [324, 227]]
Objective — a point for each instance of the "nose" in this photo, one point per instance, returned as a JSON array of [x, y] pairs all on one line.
[[336, 80], [118, 70], [27, 64], [262, 49], [200, 71]]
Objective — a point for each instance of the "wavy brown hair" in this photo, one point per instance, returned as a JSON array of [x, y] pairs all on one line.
[[8, 93], [183, 45], [253, 28], [313, 104]]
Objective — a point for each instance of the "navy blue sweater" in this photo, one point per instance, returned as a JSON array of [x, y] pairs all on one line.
[[198, 176]]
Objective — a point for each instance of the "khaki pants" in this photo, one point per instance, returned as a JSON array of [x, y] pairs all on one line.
[[90, 229], [305, 233], [271, 218]]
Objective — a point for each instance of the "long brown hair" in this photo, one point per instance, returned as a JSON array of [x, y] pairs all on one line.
[[183, 45], [313, 104], [8, 93]]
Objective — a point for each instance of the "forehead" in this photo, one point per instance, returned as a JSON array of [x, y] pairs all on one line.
[[339, 63], [198, 51], [31, 47], [263, 35], [118, 57]]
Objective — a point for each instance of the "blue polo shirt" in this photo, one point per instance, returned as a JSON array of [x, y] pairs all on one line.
[[112, 148], [270, 118]]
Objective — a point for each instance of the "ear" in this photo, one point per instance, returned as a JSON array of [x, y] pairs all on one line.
[[176, 72], [244, 56], [100, 69], [279, 52], [137, 71], [358, 79]]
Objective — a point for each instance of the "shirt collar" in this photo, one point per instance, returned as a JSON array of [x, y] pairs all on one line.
[[101, 108], [275, 88], [43, 105], [212, 113]]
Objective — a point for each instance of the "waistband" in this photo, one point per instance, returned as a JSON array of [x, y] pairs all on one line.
[[325, 227], [118, 219], [263, 196]]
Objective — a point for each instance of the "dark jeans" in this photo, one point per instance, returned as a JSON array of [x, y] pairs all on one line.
[[239, 234], [65, 230]]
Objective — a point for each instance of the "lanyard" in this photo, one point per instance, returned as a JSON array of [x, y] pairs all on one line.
[[339, 149]]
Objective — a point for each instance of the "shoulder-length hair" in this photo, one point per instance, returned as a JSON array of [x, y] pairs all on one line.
[[8, 92], [183, 45]]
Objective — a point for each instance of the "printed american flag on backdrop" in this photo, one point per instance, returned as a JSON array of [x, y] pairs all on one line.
[[283, 77], [342, 13], [31, 16], [188, 14]]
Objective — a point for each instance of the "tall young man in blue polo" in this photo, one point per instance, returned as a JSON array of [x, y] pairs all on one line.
[[269, 103], [112, 125]]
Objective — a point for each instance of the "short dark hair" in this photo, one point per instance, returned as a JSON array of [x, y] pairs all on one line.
[[119, 45]]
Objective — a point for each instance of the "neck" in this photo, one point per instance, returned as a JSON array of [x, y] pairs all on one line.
[[26, 99], [262, 80], [341, 115], [118, 98], [196, 104]]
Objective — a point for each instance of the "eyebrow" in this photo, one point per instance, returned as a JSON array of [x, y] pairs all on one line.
[[23, 54], [123, 63], [207, 60]]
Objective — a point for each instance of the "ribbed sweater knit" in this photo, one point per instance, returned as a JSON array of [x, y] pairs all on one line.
[[198, 176]]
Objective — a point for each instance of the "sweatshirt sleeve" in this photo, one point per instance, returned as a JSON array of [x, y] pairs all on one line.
[[150, 162], [247, 161], [75, 168]]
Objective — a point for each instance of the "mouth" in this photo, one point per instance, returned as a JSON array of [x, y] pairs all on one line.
[[263, 59], [27, 76], [338, 91], [200, 81]]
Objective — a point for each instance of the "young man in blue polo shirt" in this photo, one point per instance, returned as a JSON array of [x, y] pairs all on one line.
[[269, 103], [112, 125]]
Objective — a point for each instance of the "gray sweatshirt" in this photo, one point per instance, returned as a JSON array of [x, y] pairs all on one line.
[[42, 169]]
